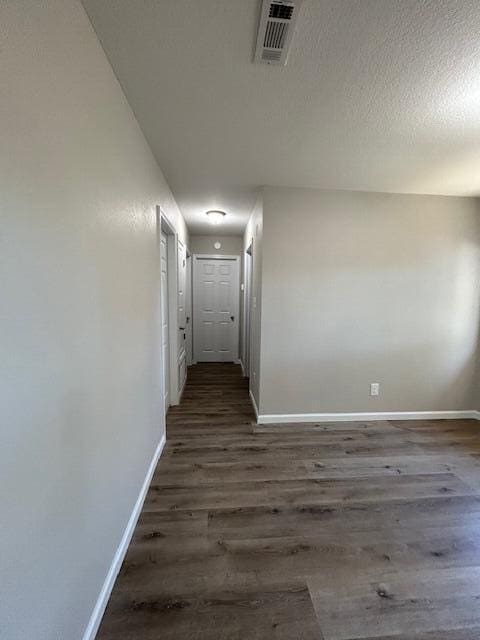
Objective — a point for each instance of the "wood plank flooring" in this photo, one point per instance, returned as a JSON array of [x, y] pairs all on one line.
[[338, 531]]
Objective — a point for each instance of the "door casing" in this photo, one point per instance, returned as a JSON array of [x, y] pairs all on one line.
[[229, 258], [164, 319], [188, 310], [247, 305], [165, 226], [181, 316]]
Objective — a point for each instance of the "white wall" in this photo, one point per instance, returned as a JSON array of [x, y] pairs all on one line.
[[368, 287], [79, 322], [231, 245], [254, 236]]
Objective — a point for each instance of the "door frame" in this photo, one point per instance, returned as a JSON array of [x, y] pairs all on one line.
[[247, 306], [216, 256], [165, 368], [169, 230], [189, 308], [181, 330]]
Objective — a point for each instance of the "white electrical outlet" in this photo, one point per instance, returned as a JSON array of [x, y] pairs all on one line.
[[375, 389]]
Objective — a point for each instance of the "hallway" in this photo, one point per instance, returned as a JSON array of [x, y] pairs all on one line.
[[335, 531], [289, 184]]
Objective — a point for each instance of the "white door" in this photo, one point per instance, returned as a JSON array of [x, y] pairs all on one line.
[[164, 304], [215, 309], [247, 305], [188, 308], [182, 316]]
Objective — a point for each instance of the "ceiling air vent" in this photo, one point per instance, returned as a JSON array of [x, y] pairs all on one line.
[[275, 31]]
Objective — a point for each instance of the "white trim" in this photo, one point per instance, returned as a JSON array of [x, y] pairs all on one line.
[[189, 309], [233, 258], [239, 361], [255, 408], [180, 352], [346, 417], [247, 305], [172, 248], [215, 256], [102, 601]]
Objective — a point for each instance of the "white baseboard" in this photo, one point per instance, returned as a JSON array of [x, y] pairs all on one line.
[[380, 415], [102, 601], [254, 404], [239, 361]]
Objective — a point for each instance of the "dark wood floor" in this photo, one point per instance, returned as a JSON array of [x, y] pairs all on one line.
[[335, 531]]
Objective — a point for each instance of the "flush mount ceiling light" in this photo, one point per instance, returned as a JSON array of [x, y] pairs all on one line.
[[216, 217]]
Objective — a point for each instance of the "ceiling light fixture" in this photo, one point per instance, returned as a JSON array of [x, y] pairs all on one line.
[[216, 217]]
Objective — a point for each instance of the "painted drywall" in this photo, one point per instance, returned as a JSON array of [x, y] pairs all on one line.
[[79, 365], [253, 238], [366, 287], [231, 245]]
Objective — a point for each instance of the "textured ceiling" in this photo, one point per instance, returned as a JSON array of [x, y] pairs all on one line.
[[379, 95]]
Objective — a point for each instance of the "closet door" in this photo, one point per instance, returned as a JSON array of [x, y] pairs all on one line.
[[215, 309], [182, 320], [165, 334]]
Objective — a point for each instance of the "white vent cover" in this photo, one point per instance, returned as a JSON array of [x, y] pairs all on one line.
[[275, 31]]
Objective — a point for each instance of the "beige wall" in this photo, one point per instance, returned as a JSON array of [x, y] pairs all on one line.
[[79, 325], [254, 236], [367, 287], [231, 245]]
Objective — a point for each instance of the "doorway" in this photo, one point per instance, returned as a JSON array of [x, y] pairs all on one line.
[[189, 313], [182, 315], [172, 311], [165, 320], [216, 290], [246, 311]]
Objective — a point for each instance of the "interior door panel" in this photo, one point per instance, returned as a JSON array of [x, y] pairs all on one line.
[[215, 308]]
